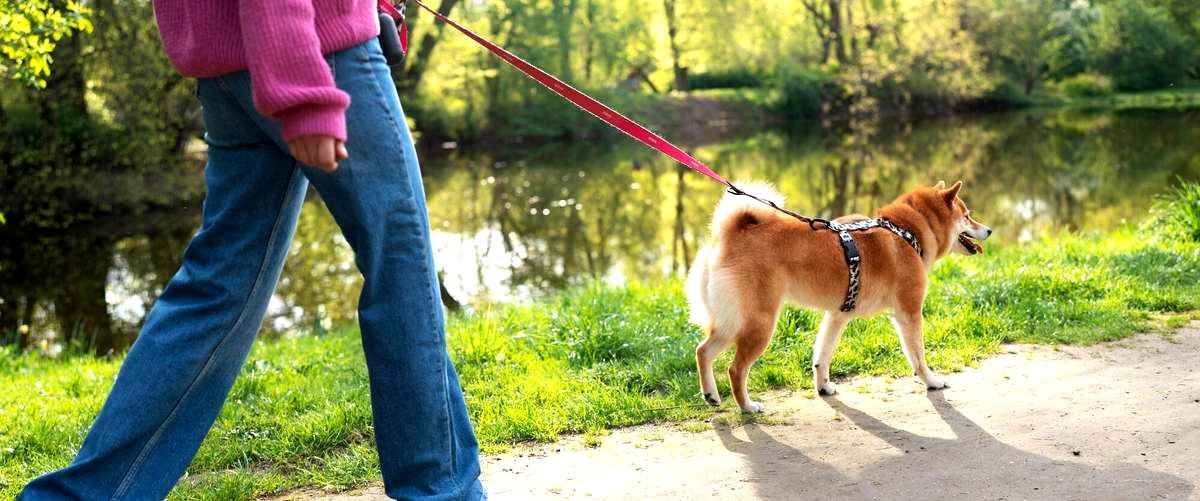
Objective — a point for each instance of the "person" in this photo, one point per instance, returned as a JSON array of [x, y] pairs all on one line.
[[293, 92]]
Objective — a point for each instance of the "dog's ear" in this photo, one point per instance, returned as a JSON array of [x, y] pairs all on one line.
[[949, 194], [940, 186]]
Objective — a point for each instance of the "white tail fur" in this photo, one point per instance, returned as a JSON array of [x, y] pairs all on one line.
[[696, 288], [729, 211], [732, 207]]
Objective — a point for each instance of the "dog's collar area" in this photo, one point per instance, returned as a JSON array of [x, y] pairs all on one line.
[[854, 258]]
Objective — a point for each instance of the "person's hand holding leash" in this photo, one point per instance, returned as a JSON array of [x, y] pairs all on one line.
[[322, 152]]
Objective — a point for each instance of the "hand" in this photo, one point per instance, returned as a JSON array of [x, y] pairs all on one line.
[[322, 152]]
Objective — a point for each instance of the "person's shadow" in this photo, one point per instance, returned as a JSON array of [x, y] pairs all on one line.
[[972, 465]]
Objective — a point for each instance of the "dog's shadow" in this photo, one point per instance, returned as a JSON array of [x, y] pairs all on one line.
[[774, 465], [972, 465]]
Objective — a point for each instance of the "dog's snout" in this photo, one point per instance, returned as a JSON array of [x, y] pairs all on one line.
[[984, 232]]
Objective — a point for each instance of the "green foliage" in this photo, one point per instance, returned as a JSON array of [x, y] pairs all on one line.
[[1018, 37], [802, 94], [29, 30], [46, 188], [120, 147], [1086, 85], [1071, 46], [1177, 214], [1141, 47], [596, 357], [727, 79]]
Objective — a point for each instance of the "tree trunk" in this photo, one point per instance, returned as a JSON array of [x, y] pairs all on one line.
[[65, 86], [680, 72], [24, 337], [679, 240], [852, 31], [416, 64], [589, 47], [835, 30], [564, 14]]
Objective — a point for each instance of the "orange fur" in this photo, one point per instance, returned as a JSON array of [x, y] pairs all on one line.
[[760, 258]]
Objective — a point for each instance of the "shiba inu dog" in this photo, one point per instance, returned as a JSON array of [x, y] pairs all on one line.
[[760, 257]]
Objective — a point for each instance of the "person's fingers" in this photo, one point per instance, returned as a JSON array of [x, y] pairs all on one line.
[[325, 154], [299, 149], [310, 151], [342, 154]]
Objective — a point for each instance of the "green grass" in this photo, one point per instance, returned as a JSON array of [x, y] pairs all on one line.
[[1177, 214], [600, 357], [1179, 98]]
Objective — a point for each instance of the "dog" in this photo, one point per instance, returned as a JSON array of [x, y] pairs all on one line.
[[760, 257]]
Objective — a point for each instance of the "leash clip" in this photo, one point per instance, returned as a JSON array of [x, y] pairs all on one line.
[[393, 31]]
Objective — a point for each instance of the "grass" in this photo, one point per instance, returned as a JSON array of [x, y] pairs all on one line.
[[1176, 98], [600, 357]]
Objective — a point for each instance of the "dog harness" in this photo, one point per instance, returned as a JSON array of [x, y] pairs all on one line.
[[854, 259]]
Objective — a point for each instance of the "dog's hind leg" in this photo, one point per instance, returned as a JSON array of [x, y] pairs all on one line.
[[912, 340], [706, 353], [827, 339], [752, 340]]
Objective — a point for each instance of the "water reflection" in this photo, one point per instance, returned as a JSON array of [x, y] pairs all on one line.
[[518, 224], [523, 223]]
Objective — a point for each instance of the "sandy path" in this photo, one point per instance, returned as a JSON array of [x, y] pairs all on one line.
[[1115, 421]]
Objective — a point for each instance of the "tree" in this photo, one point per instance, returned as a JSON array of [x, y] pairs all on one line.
[[29, 32], [680, 73], [415, 64], [1017, 35], [1141, 47]]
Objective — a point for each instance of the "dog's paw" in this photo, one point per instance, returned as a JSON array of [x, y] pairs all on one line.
[[827, 390], [713, 399], [934, 383], [752, 407]]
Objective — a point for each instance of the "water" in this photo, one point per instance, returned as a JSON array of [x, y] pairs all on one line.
[[520, 223]]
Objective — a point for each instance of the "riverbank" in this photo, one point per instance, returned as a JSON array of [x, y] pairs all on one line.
[[598, 358], [706, 116]]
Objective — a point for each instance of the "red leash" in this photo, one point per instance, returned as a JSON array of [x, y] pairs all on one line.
[[585, 102], [387, 7], [596, 108]]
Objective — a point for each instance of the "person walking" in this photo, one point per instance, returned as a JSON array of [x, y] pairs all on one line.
[[293, 92]]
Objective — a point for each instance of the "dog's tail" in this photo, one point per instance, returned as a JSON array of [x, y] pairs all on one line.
[[697, 288], [737, 212]]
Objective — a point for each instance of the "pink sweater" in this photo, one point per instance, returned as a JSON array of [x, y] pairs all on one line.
[[281, 42]]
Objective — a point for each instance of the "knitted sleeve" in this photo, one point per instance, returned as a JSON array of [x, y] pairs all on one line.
[[291, 80]]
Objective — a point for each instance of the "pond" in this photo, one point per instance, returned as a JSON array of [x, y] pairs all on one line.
[[516, 224]]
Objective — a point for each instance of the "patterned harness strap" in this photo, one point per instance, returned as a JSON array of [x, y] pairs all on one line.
[[854, 258]]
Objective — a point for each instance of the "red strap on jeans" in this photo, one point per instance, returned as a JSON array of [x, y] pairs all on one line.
[[402, 27], [588, 104]]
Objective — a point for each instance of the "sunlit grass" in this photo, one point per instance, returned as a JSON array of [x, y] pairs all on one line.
[[1177, 214], [599, 357], [1176, 98]]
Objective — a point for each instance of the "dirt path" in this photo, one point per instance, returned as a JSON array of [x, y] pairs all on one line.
[[1115, 421]]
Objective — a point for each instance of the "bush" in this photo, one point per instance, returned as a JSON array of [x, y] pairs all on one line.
[[1141, 47], [1005, 94], [730, 79], [1177, 215], [802, 94], [1086, 85]]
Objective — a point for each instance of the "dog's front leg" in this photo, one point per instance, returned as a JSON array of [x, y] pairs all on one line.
[[912, 340], [827, 339]]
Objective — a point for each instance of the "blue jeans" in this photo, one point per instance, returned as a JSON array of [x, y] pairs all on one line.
[[195, 340]]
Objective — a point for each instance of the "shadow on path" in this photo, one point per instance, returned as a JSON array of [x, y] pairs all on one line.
[[972, 465]]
